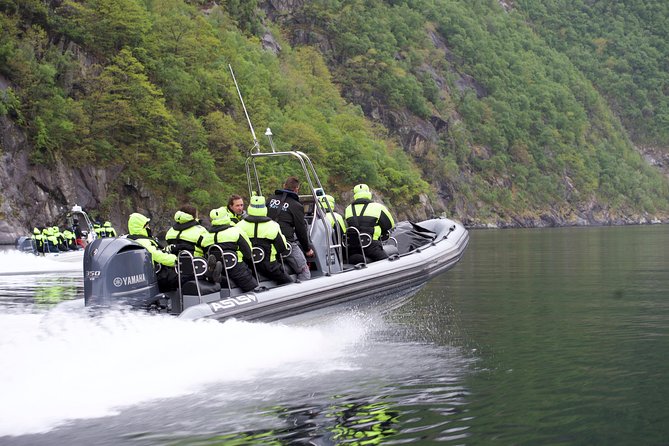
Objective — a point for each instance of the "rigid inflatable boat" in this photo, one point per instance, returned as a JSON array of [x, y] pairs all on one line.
[[119, 271], [55, 261]]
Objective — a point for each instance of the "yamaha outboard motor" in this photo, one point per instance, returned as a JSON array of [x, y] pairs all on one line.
[[26, 244], [118, 271]]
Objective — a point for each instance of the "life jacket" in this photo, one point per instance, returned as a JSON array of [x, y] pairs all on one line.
[[263, 233], [365, 215], [108, 229], [187, 234], [137, 227]]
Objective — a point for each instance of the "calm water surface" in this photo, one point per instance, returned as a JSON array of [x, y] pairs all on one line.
[[555, 336]]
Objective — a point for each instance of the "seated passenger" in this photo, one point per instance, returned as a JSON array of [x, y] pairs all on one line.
[[37, 240], [51, 240], [99, 230], [266, 234], [109, 230], [62, 245], [235, 208], [139, 231], [70, 240], [335, 218], [231, 239], [187, 233], [369, 218]]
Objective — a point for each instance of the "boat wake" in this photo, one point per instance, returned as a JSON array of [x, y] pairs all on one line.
[[19, 263], [65, 365]]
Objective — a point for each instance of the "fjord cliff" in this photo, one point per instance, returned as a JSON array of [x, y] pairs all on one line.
[[497, 113]]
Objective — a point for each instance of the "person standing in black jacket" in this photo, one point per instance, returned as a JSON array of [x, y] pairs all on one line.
[[285, 208]]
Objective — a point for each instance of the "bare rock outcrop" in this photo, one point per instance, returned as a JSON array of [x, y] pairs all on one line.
[[35, 195]]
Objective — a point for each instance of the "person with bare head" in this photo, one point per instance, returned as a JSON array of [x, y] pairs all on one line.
[[236, 208], [285, 208]]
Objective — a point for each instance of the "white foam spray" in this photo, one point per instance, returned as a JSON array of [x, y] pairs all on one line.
[[65, 365], [17, 262]]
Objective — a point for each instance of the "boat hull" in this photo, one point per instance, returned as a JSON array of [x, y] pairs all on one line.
[[67, 256], [15, 263], [392, 277]]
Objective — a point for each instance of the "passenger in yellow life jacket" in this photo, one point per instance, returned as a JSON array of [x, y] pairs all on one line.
[[187, 234], [266, 234], [45, 239], [235, 208], [38, 239], [51, 240], [109, 230], [140, 232], [369, 218], [62, 245], [99, 230], [335, 218], [231, 239], [70, 240]]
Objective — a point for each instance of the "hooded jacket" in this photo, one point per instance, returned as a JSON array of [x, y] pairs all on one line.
[[186, 234], [285, 208], [226, 235], [335, 218], [138, 232], [367, 216], [109, 229], [262, 230]]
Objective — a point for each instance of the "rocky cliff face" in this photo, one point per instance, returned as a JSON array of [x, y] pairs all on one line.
[[38, 195], [35, 195], [420, 137]]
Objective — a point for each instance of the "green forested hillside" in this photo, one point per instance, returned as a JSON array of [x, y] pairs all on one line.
[[622, 48], [533, 132], [527, 122], [147, 87]]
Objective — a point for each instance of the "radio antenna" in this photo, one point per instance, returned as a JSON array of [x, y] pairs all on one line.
[[256, 144]]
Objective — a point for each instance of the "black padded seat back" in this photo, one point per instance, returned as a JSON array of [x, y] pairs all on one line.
[[189, 265], [354, 238], [205, 287]]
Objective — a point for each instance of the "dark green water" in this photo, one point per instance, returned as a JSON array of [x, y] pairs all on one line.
[[538, 337], [570, 328]]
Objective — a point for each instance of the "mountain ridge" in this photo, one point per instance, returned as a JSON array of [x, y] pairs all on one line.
[[413, 86]]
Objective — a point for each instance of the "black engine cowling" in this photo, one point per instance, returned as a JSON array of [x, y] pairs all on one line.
[[118, 271], [25, 244]]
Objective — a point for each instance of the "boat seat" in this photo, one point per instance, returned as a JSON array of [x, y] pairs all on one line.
[[353, 266], [187, 265], [264, 282], [229, 261], [282, 257], [205, 287], [391, 250]]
